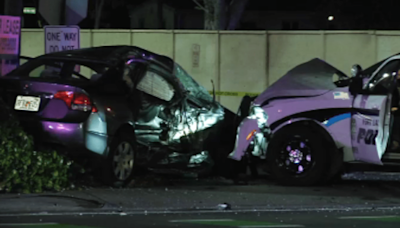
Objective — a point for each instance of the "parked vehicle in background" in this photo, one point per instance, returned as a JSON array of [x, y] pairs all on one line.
[[315, 120], [129, 106]]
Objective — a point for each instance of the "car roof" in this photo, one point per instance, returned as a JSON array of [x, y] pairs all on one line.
[[371, 69], [112, 54]]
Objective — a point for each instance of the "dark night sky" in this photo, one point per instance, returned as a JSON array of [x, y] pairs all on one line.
[[370, 14]]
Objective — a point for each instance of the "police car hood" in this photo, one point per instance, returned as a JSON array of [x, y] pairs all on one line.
[[312, 78]]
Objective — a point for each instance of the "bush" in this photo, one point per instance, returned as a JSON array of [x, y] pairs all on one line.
[[22, 169]]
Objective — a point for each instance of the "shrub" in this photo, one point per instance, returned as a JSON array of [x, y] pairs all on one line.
[[22, 169]]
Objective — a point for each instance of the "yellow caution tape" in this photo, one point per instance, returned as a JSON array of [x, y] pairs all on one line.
[[234, 94]]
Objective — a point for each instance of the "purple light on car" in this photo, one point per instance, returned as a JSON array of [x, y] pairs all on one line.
[[62, 127], [59, 127], [300, 169], [308, 157]]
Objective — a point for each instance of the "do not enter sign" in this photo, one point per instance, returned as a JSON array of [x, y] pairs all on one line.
[[61, 38]]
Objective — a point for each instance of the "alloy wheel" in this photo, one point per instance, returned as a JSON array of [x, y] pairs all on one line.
[[123, 161], [295, 157]]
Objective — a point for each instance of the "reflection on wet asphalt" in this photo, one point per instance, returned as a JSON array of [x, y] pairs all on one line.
[[370, 219]]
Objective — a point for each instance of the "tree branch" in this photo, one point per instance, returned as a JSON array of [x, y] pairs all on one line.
[[199, 6]]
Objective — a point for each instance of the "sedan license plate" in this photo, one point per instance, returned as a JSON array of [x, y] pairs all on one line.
[[27, 103]]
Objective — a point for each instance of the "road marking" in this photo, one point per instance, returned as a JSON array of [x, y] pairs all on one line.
[[236, 223], [28, 224], [368, 217], [43, 224], [271, 226], [202, 220]]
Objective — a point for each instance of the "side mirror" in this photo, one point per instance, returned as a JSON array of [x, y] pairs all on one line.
[[356, 70], [356, 85]]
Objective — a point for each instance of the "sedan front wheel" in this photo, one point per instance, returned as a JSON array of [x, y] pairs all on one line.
[[121, 160]]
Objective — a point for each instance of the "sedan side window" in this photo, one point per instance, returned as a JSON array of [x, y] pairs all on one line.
[[45, 70], [156, 86]]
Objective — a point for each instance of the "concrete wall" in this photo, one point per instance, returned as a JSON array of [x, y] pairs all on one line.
[[241, 61]]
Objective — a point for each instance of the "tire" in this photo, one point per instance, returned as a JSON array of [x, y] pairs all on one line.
[[311, 163], [120, 171]]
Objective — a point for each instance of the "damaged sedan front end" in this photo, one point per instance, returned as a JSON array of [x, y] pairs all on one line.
[[184, 132]]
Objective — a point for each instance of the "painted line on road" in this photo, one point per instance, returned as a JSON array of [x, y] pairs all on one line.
[[271, 226], [28, 224], [235, 223], [368, 217], [155, 212], [202, 220], [384, 218]]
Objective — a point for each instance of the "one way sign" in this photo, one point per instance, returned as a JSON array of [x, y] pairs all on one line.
[[61, 38]]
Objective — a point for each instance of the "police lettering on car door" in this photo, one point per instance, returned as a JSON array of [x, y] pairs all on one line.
[[368, 132]]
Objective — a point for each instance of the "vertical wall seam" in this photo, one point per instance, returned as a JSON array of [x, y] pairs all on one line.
[[267, 58], [131, 37], [173, 44], [323, 37], [91, 43], [218, 84], [375, 37]]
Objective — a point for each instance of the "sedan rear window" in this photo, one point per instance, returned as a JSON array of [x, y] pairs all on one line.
[[67, 69]]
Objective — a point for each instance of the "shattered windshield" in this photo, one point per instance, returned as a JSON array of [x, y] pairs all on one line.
[[191, 85]]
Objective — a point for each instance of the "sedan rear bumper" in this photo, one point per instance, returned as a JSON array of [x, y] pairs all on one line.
[[72, 136]]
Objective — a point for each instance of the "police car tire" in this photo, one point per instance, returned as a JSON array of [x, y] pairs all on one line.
[[319, 150]]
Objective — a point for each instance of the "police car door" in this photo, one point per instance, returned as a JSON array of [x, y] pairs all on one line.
[[371, 119]]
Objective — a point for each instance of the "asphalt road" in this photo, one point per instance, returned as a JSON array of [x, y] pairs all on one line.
[[316, 219]]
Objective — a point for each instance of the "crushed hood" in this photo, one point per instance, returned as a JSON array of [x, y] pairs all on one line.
[[312, 78]]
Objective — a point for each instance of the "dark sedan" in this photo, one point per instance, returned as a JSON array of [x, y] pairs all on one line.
[[131, 107]]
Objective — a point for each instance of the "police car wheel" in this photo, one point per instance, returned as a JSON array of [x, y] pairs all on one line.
[[297, 156]]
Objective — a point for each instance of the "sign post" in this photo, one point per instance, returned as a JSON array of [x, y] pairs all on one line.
[[61, 38], [10, 37]]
